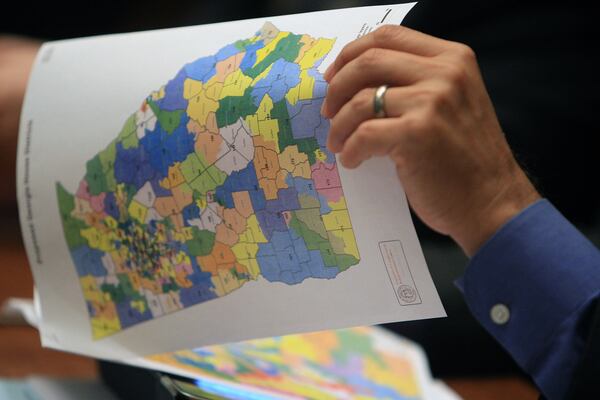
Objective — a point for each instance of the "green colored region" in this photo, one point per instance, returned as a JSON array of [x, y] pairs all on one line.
[[72, 226], [314, 241], [95, 176], [345, 261], [232, 108], [307, 146], [201, 178], [170, 287], [359, 343], [128, 136], [169, 120], [287, 48], [107, 159], [202, 242], [123, 291], [241, 44]]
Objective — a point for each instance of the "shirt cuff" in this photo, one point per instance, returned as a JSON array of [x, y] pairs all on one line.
[[534, 274]]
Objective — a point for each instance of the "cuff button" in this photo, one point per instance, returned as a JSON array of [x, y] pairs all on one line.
[[500, 314]]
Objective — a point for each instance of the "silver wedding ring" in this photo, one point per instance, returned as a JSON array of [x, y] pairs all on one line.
[[379, 102]]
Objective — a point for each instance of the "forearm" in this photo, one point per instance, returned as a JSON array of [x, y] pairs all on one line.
[[547, 275]]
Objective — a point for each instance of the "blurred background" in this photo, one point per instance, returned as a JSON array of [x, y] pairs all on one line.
[[540, 66]]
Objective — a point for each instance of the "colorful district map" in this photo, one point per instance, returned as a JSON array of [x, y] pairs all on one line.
[[328, 365], [220, 177]]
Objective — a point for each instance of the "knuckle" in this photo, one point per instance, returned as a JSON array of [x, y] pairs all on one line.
[[456, 75], [464, 52], [369, 58], [386, 33], [362, 101]]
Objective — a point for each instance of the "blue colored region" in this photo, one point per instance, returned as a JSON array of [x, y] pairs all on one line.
[[239, 181], [305, 117], [110, 205], [325, 209], [166, 149], [202, 69], [287, 200], [318, 269], [88, 261], [322, 131], [191, 211], [281, 78], [173, 99], [320, 88], [197, 294], [270, 222], [133, 166], [303, 186], [129, 316], [250, 58], [159, 191], [227, 52], [269, 268]]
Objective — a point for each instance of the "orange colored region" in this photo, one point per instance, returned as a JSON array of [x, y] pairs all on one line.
[[234, 220], [135, 280], [259, 141], [175, 176], [307, 42], [181, 278], [221, 255], [182, 195], [95, 219], [226, 235], [242, 203], [151, 285], [267, 168], [105, 310], [177, 220], [165, 206], [227, 66], [207, 145], [211, 123]]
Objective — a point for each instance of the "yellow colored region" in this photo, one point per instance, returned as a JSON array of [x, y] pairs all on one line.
[[252, 122], [262, 75], [347, 235], [407, 385], [137, 211], [253, 228], [264, 108], [338, 205], [306, 85], [320, 155], [200, 106], [263, 52], [110, 222], [235, 84], [181, 257], [138, 305], [90, 289], [293, 94], [244, 251], [219, 289], [213, 89], [157, 95], [201, 203], [191, 88], [252, 266], [230, 282], [337, 219], [316, 52], [269, 130], [97, 240], [298, 346], [102, 327]]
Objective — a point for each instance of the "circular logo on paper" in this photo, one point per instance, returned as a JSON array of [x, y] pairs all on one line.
[[407, 293]]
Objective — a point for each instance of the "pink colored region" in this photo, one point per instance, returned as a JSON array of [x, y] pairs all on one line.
[[184, 267], [327, 181], [97, 202], [83, 190]]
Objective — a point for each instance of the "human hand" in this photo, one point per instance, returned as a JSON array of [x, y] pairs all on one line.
[[441, 130], [16, 60]]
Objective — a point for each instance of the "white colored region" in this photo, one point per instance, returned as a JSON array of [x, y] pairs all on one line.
[[239, 145], [145, 195]]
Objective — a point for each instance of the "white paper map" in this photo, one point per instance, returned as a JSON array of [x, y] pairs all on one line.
[[176, 191]]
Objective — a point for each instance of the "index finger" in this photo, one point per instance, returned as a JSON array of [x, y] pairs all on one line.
[[392, 37]]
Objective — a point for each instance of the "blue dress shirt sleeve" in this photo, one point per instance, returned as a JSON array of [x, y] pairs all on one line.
[[531, 285]]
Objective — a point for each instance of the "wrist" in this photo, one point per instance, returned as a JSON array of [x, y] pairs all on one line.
[[504, 202]]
